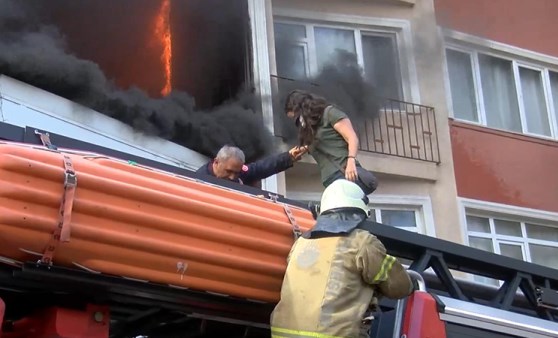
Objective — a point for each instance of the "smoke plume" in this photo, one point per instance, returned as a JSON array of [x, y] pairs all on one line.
[[36, 51], [340, 81], [38, 54]]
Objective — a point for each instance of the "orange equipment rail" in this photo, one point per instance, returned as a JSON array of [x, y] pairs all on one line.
[[141, 223]]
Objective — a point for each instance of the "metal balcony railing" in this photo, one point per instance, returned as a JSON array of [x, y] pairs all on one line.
[[402, 129]]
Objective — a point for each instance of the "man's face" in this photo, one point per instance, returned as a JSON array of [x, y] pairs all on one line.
[[227, 169]]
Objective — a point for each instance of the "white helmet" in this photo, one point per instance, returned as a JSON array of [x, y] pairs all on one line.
[[344, 194]]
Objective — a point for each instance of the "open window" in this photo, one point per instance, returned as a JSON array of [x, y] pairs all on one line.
[[156, 65], [207, 41]]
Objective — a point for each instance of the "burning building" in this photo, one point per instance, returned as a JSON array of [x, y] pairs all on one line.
[[201, 73], [465, 82], [179, 70]]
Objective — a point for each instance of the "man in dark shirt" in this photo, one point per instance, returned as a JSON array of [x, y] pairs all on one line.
[[229, 165]]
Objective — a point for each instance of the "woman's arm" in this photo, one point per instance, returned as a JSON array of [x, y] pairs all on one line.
[[346, 130]]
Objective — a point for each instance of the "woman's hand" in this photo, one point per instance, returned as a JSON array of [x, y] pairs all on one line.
[[351, 170], [297, 152]]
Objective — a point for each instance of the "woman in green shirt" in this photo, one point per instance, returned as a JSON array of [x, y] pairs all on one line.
[[328, 134]]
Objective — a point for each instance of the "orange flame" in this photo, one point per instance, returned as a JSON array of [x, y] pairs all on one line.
[[163, 34]]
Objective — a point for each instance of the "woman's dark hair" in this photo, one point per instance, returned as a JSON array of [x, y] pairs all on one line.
[[309, 108]]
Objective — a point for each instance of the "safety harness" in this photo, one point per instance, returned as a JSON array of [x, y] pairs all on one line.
[[62, 231]]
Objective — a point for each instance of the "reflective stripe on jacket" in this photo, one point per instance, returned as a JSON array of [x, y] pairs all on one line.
[[330, 283], [285, 333]]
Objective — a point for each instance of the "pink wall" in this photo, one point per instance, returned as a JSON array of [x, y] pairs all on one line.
[[529, 24], [505, 168]]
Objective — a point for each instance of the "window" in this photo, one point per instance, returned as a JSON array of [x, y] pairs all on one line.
[[380, 64], [554, 89], [303, 49], [412, 213], [516, 236], [292, 59], [502, 93], [406, 218], [462, 85], [499, 93]]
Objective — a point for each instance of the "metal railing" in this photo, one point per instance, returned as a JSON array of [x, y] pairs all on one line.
[[401, 129]]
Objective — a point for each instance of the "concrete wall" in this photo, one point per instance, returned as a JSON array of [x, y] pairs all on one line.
[[400, 176]]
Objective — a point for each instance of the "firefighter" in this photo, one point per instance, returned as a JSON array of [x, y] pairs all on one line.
[[229, 165], [336, 271]]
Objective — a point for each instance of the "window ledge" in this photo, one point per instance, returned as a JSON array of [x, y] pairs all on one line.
[[394, 166], [398, 166], [535, 215], [504, 133], [404, 2], [399, 2]]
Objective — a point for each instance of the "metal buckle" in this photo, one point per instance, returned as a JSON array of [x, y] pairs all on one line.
[[45, 140], [273, 198], [70, 178]]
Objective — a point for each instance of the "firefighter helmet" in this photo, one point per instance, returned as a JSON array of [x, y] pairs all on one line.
[[344, 194]]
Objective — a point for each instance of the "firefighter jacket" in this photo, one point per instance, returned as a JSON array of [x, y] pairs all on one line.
[[331, 281], [259, 170]]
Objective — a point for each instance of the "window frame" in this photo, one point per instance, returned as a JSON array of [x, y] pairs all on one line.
[[421, 205], [379, 208], [306, 47], [473, 60], [546, 92], [473, 46], [491, 211], [360, 25]]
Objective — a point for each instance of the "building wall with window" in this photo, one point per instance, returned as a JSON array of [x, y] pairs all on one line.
[[504, 103], [398, 48], [501, 64]]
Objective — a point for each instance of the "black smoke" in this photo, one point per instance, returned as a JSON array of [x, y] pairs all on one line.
[[37, 53], [341, 81]]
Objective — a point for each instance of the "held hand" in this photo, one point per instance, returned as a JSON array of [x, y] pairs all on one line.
[[297, 152], [351, 170]]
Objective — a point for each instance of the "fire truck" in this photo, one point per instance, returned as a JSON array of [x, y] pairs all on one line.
[[107, 266], [41, 298]]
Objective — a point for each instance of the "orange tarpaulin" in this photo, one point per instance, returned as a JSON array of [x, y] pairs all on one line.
[[146, 224]]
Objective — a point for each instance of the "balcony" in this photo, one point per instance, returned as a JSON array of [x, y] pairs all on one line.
[[402, 129]]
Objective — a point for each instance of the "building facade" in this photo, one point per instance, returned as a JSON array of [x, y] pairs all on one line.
[[465, 143], [502, 84], [408, 146], [486, 71]]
